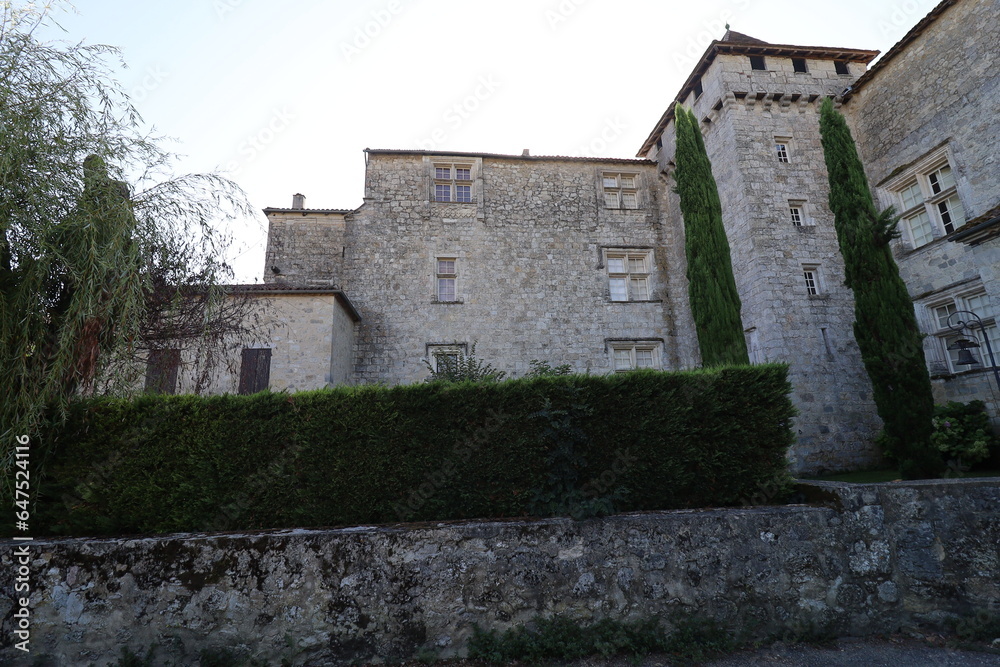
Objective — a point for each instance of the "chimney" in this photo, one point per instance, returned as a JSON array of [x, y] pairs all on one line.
[[525, 153], [298, 200]]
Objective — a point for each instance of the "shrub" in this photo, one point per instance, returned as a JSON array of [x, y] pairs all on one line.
[[576, 445], [963, 431]]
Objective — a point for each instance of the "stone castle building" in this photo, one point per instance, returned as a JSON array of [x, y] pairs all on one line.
[[581, 261]]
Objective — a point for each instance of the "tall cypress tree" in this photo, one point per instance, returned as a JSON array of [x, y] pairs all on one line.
[[885, 325], [715, 303]]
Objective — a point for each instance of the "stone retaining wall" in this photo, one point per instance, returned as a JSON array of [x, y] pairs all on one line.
[[861, 559]]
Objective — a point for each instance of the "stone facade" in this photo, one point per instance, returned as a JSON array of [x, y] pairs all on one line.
[[529, 238], [876, 559], [936, 94], [310, 333]]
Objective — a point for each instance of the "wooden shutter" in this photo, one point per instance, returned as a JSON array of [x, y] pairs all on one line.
[[255, 370], [161, 371]]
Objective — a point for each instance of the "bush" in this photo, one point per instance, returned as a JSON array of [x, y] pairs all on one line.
[[962, 432], [569, 445]]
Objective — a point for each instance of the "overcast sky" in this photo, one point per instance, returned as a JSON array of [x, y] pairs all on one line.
[[284, 97]]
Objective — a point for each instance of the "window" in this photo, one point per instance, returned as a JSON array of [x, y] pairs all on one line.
[[757, 62], [621, 190], [161, 371], [452, 182], [446, 279], [928, 201], [781, 145], [799, 65], [440, 355], [944, 360], [810, 274], [255, 370], [797, 213], [630, 355], [841, 67], [698, 89], [628, 275]]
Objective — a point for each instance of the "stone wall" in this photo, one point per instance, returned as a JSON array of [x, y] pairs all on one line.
[[941, 90], [867, 559], [311, 338], [531, 278], [742, 112]]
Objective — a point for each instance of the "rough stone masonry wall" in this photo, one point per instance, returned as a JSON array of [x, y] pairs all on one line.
[[943, 88], [876, 558], [743, 111], [531, 280]]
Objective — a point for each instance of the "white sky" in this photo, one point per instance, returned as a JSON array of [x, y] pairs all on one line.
[[283, 97]]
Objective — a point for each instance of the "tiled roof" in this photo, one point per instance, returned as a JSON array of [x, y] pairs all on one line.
[[734, 37], [307, 211]]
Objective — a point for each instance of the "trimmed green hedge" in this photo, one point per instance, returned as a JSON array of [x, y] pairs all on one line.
[[640, 441]]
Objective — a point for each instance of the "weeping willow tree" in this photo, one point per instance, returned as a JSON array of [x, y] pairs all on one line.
[[715, 303], [92, 271], [885, 325]]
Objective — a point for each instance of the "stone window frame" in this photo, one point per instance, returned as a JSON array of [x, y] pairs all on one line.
[[461, 173], [933, 312], [798, 213], [758, 63], [800, 62], [441, 274], [435, 351], [926, 198], [841, 67], [783, 149], [629, 354], [624, 187], [634, 283], [812, 279]]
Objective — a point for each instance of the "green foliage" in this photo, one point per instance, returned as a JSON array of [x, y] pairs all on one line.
[[463, 368], [885, 326], [558, 638], [962, 431], [428, 452], [544, 369], [81, 252], [715, 303]]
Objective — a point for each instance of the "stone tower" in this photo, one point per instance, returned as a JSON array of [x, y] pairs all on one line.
[[759, 107]]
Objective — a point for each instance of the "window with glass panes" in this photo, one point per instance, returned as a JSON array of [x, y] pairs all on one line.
[[628, 275], [453, 182], [811, 275], [928, 202], [781, 148], [630, 356], [621, 190], [447, 279], [978, 303]]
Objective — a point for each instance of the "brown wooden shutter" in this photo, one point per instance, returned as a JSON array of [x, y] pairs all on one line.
[[161, 371], [255, 370]]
